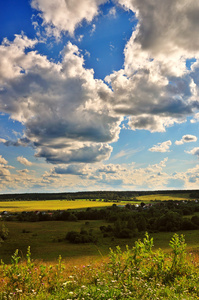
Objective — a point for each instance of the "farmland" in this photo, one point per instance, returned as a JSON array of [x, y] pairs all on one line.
[[42, 205], [166, 197], [19, 206]]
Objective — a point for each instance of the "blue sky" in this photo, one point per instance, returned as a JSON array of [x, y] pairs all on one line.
[[99, 95]]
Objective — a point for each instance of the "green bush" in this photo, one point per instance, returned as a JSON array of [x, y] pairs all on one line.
[[4, 232], [80, 237]]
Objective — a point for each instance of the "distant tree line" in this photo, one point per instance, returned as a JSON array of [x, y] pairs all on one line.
[[105, 195]]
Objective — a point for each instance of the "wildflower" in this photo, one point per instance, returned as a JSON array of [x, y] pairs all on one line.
[[65, 283], [83, 286]]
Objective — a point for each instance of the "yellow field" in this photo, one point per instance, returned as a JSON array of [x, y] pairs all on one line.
[[160, 197], [19, 206]]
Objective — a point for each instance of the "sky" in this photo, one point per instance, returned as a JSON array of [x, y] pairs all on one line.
[[99, 95]]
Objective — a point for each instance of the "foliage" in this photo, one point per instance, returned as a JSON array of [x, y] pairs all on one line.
[[136, 273], [3, 233], [81, 237]]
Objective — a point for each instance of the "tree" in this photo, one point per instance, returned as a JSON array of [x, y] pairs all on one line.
[[4, 232], [131, 224], [171, 221], [141, 223]]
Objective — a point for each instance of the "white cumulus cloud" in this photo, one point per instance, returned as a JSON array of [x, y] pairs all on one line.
[[188, 138], [3, 161], [24, 161], [161, 147], [65, 15], [194, 151], [66, 112]]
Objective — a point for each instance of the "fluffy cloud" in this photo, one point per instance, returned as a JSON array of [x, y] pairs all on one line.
[[71, 169], [162, 29], [2, 140], [111, 169], [111, 175], [195, 118], [151, 122], [188, 138], [155, 88], [13, 60], [161, 147], [71, 117], [189, 177], [24, 161], [66, 15], [66, 112], [4, 173], [194, 151], [3, 161], [153, 100], [126, 176], [86, 154]]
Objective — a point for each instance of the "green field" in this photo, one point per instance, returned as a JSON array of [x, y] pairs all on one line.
[[47, 240], [19, 206], [44, 240]]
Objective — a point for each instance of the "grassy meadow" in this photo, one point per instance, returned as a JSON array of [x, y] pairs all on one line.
[[138, 272], [47, 241]]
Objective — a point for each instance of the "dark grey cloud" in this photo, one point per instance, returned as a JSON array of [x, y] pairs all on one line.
[[166, 26], [24, 142], [70, 170], [87, 154]]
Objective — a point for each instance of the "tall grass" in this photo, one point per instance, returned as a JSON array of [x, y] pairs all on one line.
[[137, 273]]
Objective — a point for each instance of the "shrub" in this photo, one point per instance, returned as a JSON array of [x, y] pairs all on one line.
[[82, 237], [188, 225], [195, 220], [4, 232]]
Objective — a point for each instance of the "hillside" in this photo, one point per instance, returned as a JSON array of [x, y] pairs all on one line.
[[137, 273]]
